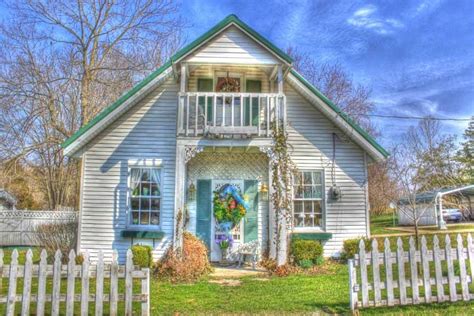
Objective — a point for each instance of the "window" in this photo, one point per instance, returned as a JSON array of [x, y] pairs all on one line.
[[308, 199], [145, 197]]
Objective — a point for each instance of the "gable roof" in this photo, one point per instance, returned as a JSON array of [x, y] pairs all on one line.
[[106, 116]]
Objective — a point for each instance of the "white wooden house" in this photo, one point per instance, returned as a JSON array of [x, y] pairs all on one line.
[[154, 152]]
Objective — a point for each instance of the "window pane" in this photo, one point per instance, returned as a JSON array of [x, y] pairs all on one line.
[[144, 218], [317, 178], [317, 219], [155, 218], [145, 189], [308, 220], [298, 192], [155, 189], [308, 207], [135, 220], [146, 174], [308, 192], [317, 192], [317, 206], [307, 178], [155, 204], [298, 206], [135, 204], [145, 204], [299, 219]]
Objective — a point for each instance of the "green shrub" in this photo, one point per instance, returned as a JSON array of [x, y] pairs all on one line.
[[305, 263], [351, 247], [142, 256], [305, 250], [319, 261]]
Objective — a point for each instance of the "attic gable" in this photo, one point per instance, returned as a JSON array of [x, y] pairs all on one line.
[[233, 46]]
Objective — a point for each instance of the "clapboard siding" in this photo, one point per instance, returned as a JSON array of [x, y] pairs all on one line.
[[146, 131], [310, 136], [232, 46]]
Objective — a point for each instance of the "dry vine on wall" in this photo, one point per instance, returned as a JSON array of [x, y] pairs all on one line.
[[282, 168]]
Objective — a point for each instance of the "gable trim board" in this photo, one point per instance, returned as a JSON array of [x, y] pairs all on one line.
[[126, 101]]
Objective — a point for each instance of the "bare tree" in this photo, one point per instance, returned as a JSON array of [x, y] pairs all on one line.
[[383, 188], [61, 63]]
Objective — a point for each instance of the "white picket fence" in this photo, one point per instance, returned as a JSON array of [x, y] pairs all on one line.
[[105, 276], [18, 227], [406, 277]]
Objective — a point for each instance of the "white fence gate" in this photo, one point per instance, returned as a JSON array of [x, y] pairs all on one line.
[[53, 287], [17, 227], [412, 277]]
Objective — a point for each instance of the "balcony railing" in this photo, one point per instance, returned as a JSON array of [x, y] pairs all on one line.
[[214, 114]]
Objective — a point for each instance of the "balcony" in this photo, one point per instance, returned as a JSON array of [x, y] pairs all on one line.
[[218, 115]]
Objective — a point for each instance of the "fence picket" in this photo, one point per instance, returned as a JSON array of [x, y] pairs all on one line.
[[41, 283], [27, 274], [85, 284], [114, 283], [363, 274], [352, 282], [146, 289], [70, 283], [376, 271], [128, 283], [56, 283], [462, 268], [99, 284], [453, 296], [414, 272], [388, 272], [438, 270], [1, 268], [401, 272], [11, 300], [470, 255], [426, 270]]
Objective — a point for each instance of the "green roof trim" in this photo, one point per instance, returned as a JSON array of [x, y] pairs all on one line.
[[312, 236], [142, 234], [346, 117]]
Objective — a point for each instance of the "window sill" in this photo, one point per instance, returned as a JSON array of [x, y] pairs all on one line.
[[313, 234], [142, 234]]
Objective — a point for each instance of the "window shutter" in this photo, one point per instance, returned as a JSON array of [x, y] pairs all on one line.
[[205, 85], [252, 86], [203, 211], [251, 217]]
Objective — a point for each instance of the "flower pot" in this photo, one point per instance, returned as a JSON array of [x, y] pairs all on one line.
[[224, 252]]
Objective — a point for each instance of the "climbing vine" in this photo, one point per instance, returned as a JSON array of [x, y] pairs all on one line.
[[282, 168]]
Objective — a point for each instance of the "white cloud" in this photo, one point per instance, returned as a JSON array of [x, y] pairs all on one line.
[[367, 18]]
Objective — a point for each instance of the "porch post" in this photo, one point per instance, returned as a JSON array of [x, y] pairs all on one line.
[[180, 175], [181, 96]]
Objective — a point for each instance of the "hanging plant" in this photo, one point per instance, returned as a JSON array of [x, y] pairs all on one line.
[[229, 206]]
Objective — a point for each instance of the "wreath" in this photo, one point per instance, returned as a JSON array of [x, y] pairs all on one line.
[[229, 206]]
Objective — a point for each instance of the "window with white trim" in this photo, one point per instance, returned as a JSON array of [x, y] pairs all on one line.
[[308, 199], [145, 196]]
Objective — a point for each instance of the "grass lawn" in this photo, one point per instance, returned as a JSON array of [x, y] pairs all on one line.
[[379, 224]]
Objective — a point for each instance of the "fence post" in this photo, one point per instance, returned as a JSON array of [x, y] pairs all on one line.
[[376, 272], [128, 283], [352, 283], [414, 272], [438, 271], [85, 284], [99, 284], [56, 283], [401, 272], [114, 283], [42, 283], [1, 266], [388, 271], [25, 300], [70, 283], [11, 300], [146, 290], [426, 270], [363, 274], [462, 269], [453, 296], [470, 255]]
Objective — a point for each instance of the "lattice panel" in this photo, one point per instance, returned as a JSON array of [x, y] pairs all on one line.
[[228, 166]]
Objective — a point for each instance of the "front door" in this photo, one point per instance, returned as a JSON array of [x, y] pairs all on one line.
[[237, 231]]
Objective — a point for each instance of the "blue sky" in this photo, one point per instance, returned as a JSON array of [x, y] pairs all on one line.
[[417, 56]]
